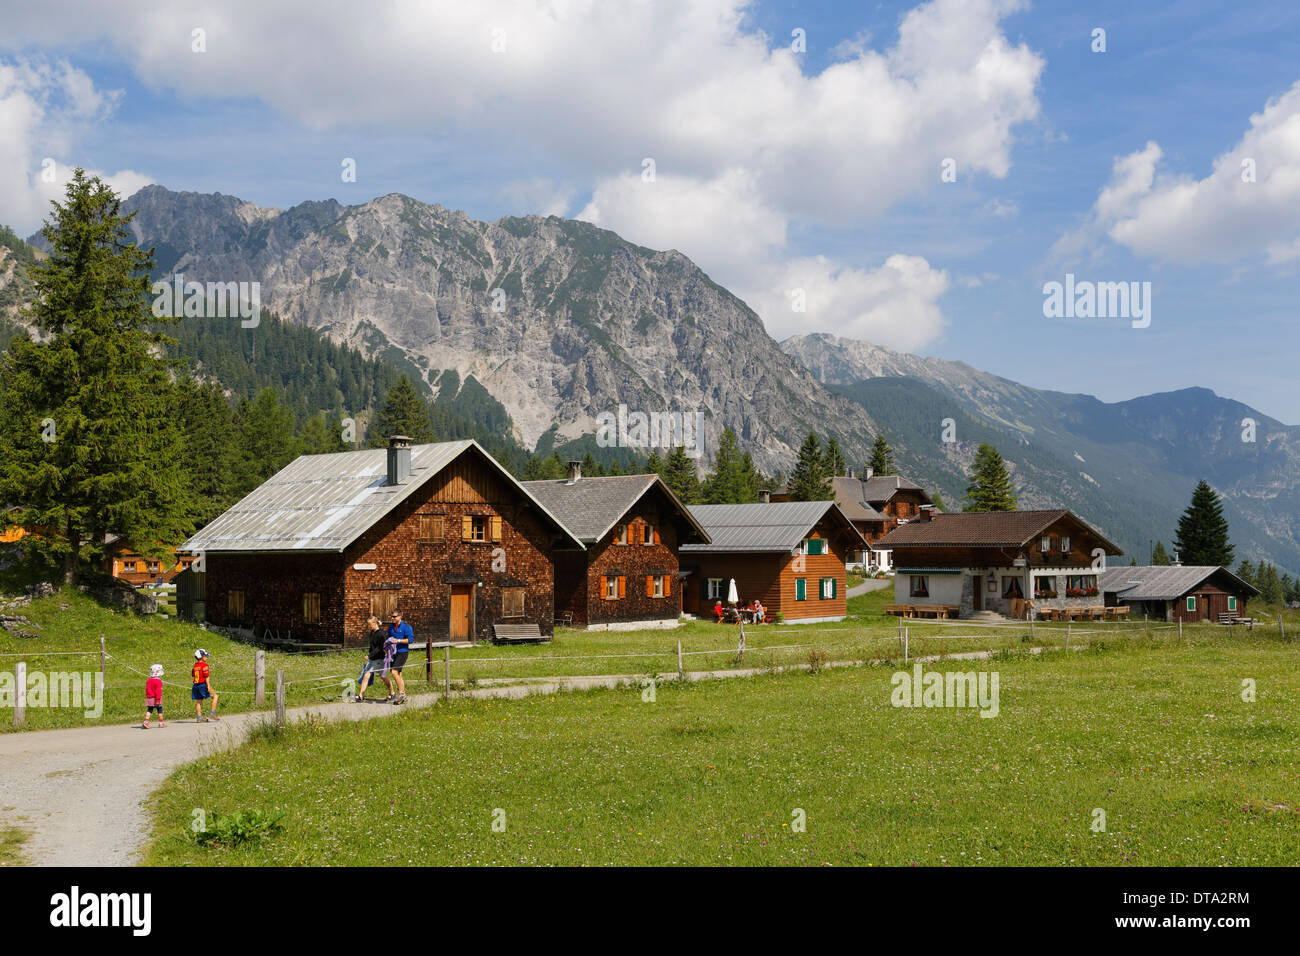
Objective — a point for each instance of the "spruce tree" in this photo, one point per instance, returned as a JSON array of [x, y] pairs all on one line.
[[266, 437], [1246, 571], [404, 413], [92, 445], [730, 481], [882, 457], [833, 462], [990, 487], [808, 480], [213, 447], [1159, 556], [654, 464], [679, 474], [1202, 537]]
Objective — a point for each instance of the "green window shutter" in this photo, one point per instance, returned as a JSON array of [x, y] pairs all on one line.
[[800, 589], [1232, 604], [1191, 604], [835, 587]]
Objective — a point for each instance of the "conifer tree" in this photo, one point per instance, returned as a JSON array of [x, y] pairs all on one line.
[[404, 413], [1159, 556], [833, 463], [266, 437], [808, 480], [1246, 571], [680, 475], [730, 482], [990, 487], [92, 444], [882, 457], [654, 464], [1202, 537]]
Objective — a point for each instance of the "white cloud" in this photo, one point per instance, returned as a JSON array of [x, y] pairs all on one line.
[[43, 107], [539, 196], [1221, 218]]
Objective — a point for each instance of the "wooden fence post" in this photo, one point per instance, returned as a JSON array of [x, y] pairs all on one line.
[[1067, 635], [905, 637], [259, 678], [681, 672], [428, 661], [20, 693], [446, 669], [103, 660], [1180, 628], [279, 697]]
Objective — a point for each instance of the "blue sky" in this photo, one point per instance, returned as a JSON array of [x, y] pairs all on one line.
[[776, 170]]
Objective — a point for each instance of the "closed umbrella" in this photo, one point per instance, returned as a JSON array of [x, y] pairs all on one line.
[[733, 596]]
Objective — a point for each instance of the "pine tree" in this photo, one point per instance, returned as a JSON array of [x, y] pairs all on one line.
[[680, 475], [266, 437], [808, 480], [404, 413], [1246, 571], [882, 457], [92, 445], [937, 500], [1202, 537], [730, 482], [1159, 556], [990, 487], [213, 449], [654, 464], [1270, 585], [833, 462]]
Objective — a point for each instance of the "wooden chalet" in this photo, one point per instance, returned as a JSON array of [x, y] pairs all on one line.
[[123, 561], [440, 532], [1013, 563], [789, 555], [877, 504], [632, 527], [1176, 593]]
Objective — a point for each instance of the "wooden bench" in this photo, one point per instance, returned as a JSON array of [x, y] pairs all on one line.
[[518, 634], [900, 610]]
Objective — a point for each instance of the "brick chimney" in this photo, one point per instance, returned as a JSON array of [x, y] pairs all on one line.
[[867, 472], [925, 513], [575, 471], [399, 459]]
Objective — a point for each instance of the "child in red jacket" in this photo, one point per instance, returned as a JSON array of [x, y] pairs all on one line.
[[153, 696]]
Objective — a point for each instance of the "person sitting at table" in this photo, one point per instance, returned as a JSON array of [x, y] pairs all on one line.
[[760, 612], [717, 611]]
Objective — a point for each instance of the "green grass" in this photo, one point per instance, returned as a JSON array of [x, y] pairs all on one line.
[[11, 845], [1155, 733]]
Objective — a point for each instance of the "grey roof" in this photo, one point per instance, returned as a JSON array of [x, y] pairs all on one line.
[[880, 488], [850, 496], [325, 502], [778, 526], [1163, 582], [590, 507]]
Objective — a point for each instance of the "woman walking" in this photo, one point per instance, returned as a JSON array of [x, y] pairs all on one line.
[[375, 660]]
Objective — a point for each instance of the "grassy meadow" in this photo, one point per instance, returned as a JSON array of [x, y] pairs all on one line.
[[1155, 733]]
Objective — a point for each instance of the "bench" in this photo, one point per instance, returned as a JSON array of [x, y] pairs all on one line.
[[900, 610], [518, 634], [1117, 613]]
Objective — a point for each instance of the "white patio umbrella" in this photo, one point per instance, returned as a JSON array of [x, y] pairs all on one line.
[[733, 596]]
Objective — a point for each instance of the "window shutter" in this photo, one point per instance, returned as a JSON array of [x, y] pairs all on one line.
[[622, 586], [800, 589], [649, 585], [496, 527], [466, 528], [656, 536], [668, 586]]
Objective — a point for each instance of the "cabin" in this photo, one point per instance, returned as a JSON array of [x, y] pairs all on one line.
[[1176, 593], [877, 504], [124, 562], [1018, 564], [440, 532], [789, 555], [632, 527]]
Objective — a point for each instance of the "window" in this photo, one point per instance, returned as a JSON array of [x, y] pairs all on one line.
[[827, 589], [235, 602], [1080, 585], [432, 528], [1011, 587], [383, 603], [128, 565], [649, 535], [1232, 604], [1045, 543], [613, 587], [311, 607], [717, 589], [512, 602], [656, 585], [620, 534], [814, 546], [920, 585], [1065, 543], [800, 589], [1191, 603], [1045, 587]]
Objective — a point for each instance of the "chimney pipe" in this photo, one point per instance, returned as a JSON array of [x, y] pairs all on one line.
[[765, 496], [575, 471], [399, 459], [868, 472], [926, 512]]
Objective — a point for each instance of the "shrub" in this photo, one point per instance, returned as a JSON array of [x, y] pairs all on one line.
[[816, 661], [236, 829]]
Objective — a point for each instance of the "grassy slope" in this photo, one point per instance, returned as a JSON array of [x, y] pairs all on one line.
[[1155, 733]]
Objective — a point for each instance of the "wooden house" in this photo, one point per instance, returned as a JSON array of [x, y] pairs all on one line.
[[632, 527], [1008, 562], [1176, 593], [877, 504], [123, 561], [789, 555], [440, 532]]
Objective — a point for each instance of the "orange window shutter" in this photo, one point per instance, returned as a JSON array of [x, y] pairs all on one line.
[[656, 535], [496, 527], [466, 527], [604, 588], [649, 585], [668, 587], [622, 586]]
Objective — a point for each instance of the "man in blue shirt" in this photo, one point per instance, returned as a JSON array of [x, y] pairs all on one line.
[[400, 632]]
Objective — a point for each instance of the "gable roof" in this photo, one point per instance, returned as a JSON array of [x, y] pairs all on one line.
[[590, 507], [880, 488], [1165, 583], [983, 529], [850, 495], [779, 526], [325, 502]]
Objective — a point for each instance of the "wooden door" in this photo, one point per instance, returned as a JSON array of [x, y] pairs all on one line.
[[462, 596], [977, 587]]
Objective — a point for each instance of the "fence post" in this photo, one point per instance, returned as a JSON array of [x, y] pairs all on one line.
[[905, 637], [446, 669], [1180, 628], [103, 659], [259, 678], [1281, 630], [428, 661], [279, 697], [1067, 635], [681, 672], [20, 693]]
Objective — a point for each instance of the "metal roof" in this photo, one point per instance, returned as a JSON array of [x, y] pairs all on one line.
[[982, 529], [590, 507], [1163, 582], [325, 502], [779, 526], [849, 495], [880, 488]]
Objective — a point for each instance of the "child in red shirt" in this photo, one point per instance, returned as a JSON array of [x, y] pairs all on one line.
[[153, 696], [202, 689]]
